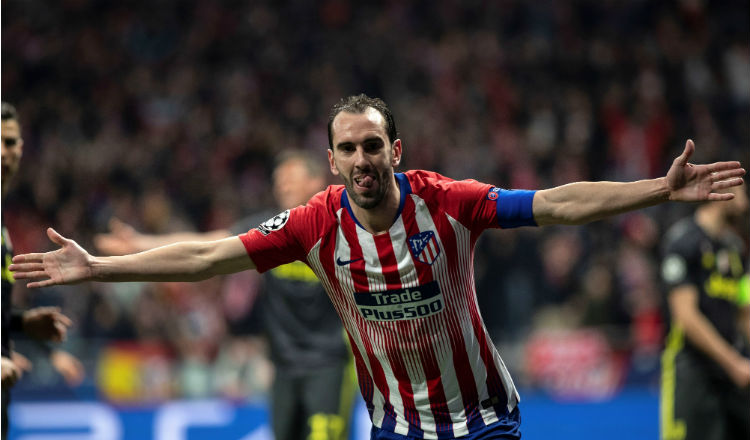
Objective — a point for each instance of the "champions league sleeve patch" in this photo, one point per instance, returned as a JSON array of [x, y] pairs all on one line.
[[274, 223], [674, 269]]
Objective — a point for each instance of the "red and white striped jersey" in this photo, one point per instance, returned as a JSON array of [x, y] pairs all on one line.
[[425, 363]]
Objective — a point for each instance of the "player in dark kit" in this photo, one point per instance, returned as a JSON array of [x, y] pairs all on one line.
[[394, 251], [706, 363], [314, 385], [42, 323]]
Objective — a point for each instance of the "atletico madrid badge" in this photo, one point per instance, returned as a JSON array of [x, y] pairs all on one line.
[[424, 247]]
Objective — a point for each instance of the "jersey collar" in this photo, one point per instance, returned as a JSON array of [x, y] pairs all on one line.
[[403, 185]]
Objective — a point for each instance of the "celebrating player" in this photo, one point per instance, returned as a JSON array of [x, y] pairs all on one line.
[[394, 252]]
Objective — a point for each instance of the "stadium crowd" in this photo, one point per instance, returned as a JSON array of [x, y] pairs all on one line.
[[167, 115]]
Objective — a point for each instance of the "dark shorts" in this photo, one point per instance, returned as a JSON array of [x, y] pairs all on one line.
[[699, 404], [508, 428], [316, 405]]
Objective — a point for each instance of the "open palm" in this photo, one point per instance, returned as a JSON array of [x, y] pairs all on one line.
[[67, 265], [694, 183]]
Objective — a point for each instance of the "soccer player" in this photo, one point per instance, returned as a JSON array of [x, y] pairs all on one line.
[[706, 360], [42, 323], [394, 252], [313, 390]]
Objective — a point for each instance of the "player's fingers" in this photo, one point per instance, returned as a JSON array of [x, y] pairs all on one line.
[[64, 320], [26, 267], [719, 197], [683, 158], [728, 174], [33, 275], [38, 284], [56, 237], [28, 258], [724, 166], [723, 184]]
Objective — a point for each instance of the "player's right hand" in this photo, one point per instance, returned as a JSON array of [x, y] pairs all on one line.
[[68, 265], [740, 372]]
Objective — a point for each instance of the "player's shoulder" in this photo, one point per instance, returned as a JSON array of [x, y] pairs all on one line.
[[683, 237], [426, 181]]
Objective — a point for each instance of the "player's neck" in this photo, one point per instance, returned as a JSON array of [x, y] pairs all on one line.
[[379, 219], [712, 221]]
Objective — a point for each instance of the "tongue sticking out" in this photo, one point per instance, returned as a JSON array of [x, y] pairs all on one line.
[[365, 181]]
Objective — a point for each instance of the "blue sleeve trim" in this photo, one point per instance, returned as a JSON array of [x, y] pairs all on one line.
[[514, 208]]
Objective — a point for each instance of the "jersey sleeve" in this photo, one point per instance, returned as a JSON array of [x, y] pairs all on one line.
[[288, 236], [478, 205], [485, 206], [680, 263]]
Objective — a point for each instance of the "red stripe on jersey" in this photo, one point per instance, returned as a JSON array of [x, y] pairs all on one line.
[[388, 262]]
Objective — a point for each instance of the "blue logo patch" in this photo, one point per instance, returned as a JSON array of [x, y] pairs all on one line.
[[424, 247]]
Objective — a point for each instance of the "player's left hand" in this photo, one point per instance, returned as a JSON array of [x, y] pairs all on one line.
[[46, 323], [688, 182]]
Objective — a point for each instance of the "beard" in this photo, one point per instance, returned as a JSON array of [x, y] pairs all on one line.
[[372, 198]]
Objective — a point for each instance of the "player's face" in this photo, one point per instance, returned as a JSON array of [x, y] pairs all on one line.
[[363, 156], [12, 150], [293, 185], [739, 205]]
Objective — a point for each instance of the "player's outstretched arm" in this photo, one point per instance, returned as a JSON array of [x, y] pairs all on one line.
[[583, 202], [185, 261]]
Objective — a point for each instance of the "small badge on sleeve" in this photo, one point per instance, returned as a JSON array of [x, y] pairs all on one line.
[[673, 269], [274, 223], [494, 193]]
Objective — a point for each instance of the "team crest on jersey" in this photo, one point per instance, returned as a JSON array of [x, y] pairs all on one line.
[[424, 247], [274, 223]]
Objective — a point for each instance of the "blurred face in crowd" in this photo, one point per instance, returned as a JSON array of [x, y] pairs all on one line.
[[12, 150], [363, 156], [294, 183], [738, 206]]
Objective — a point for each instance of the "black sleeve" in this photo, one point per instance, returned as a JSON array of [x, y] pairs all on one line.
[[680, 262]]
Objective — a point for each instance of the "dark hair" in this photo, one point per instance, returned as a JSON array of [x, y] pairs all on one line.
[[358, 104], [9, 112]]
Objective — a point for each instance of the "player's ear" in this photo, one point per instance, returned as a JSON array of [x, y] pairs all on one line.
[[332, 163], [396, 151]]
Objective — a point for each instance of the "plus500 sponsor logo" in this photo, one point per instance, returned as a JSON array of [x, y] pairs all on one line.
[[400, 304]]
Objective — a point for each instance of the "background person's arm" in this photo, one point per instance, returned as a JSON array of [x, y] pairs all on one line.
[[683, 306], [185, 261], [583, 202], [123, 239]]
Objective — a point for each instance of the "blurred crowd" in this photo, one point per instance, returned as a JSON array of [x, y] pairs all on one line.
[[167, 114]]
